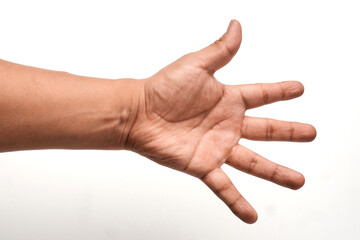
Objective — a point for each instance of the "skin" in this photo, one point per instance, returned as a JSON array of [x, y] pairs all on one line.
[[181, 117]]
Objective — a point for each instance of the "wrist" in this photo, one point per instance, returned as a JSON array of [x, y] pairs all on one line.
[[129, 95]]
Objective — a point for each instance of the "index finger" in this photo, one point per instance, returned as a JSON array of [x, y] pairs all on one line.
[[255, 95]]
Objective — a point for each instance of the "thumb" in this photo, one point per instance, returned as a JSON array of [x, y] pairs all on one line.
[[219, 53]]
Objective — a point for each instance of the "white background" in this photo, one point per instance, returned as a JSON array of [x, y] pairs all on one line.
[[58, 194]]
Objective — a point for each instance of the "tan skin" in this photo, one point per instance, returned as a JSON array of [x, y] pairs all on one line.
[[181, 117]]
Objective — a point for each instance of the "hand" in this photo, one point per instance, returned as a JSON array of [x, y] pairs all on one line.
[[190, 122]]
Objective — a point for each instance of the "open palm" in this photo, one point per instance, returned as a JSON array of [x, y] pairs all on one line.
[[191, 122]]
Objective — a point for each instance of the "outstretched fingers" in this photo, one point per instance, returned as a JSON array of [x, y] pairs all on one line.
[[266, 129], [221, 185], [252, 163], [255, 95]]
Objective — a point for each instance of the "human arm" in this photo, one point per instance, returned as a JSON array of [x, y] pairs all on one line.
[[44, 109], [181, 117]]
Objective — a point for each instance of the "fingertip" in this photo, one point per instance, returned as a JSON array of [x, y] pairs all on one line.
[[253, 218], [292, 89], [301, 88], [245, 212], [312, 133], [234, 24], [249, 217], [298, 181], [233, 36], [307, 133]]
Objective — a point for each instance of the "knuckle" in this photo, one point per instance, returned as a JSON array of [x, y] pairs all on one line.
[[253, 163], [269, 130], [265, 94], [275, 173], [292, 129], [223, 48]]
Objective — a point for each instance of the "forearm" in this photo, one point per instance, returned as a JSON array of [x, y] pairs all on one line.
[[42, 109]]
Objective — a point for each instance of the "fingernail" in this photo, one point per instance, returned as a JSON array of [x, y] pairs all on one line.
[[231, 24]]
